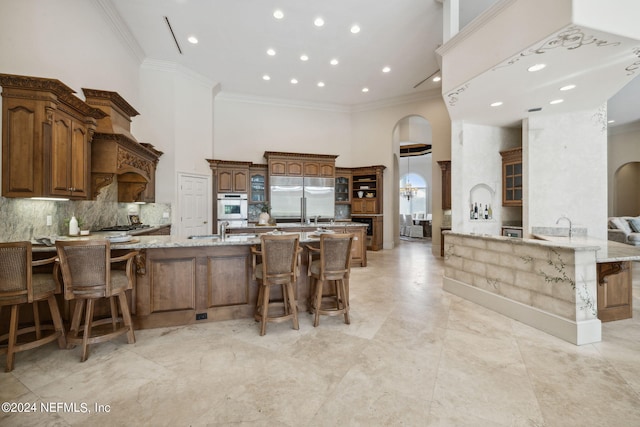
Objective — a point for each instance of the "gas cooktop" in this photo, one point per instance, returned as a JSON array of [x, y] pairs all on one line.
[[124, 227]]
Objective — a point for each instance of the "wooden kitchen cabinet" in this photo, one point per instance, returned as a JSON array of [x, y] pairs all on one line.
[[231, 176], [367, 190], [343, 186], [512, 177], [445, 166], [46, 135], [614, 291], [300, 164]]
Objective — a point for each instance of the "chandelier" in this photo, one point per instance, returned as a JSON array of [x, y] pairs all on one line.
[[408, 191]]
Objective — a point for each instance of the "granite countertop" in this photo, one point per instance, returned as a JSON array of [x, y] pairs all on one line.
[[608, 251], [151, 242], [285, 225], [605, 250]]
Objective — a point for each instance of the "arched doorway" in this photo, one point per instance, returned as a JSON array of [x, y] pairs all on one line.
[[625, 189], [412, 141]]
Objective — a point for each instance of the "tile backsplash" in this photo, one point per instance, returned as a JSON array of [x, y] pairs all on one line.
[[23, 219]]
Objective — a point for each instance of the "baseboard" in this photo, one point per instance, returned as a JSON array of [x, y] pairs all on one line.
[[579, 333]]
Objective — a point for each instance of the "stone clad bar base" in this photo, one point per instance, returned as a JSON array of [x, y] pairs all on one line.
[[549, 286]]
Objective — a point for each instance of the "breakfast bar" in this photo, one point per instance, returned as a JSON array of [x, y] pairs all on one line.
[[204, 278], [553, 283]]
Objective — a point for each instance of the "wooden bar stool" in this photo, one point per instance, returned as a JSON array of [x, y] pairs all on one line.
[[279, 255], [87, 276], [19, 285], [333, 266]]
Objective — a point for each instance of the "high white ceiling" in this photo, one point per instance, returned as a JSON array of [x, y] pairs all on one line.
[[234, 35]]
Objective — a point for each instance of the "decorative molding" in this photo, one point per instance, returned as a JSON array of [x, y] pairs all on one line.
[[120, 28], [631, 69], [453, 96], [108, 98], [126, 158], [279, 102], [98, 182], [424, 95], [570, 38]]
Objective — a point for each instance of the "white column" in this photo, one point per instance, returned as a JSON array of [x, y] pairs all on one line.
[[451, 19]]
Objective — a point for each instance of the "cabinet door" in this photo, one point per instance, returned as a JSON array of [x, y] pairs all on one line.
[[278, 167], [21, 149], [614, 291], [240, 181], [225, 181], [294, 168], [327, 170], [357, 206], [60, 164], [311, 169], [79, 161], [257, 188]]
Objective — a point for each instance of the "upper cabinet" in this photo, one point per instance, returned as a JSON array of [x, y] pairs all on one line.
[[258, 182], [301, 164], [231, 177], [116, 154], [367, 190], [343, 186], [512, 177], [46, 135]]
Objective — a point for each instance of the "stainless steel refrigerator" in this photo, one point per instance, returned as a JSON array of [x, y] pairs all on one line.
[[302, 198]]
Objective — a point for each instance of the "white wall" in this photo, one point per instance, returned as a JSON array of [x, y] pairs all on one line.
[[246, 127], [565, 168], [68, 40]]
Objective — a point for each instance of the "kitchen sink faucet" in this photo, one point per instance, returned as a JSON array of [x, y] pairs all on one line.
[[570, 226]]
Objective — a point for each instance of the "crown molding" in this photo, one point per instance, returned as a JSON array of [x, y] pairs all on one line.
[[424, 95], [120, 28], [279, 102], [337, 108], [172, 67]]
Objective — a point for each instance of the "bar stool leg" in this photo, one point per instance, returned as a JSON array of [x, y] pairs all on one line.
[[318, 302], [114, 313], [13, 335], [75, 321], [292, 305], [57, 321], [126, 316], [265, 310], [87, 330], [36, 320], [342, 296]]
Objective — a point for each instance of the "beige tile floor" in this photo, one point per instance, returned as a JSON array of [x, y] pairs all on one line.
[[413, 355]]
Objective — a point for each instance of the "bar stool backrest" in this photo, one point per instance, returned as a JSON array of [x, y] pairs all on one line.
[[86, 268], [279, 257], [15, 273], [335, 256]]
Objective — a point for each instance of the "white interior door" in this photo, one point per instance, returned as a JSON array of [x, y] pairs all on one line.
[[195, 207]]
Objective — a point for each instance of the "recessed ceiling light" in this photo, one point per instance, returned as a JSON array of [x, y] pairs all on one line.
[[386, 69], [304, 58], [436, 79], [536, 67], [318, 22], [334, 61], [266, 77], [567, 87], [294, 81], [271, 52], [193, 40], [611, 121], [320, 84], [278, 14], [365, 89], [496, 104], [556, 101], [355, 29]]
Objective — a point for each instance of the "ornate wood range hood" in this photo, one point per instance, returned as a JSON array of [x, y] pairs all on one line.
[[116, 153]]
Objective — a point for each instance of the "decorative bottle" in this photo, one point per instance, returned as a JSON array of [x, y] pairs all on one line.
[[74, 230], [486, 212]]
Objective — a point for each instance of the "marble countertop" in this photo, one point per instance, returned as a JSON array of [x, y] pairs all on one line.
[[608, 251], [286, 225]]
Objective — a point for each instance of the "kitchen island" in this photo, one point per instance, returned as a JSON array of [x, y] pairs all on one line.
[[183, 280], [551, 284]]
